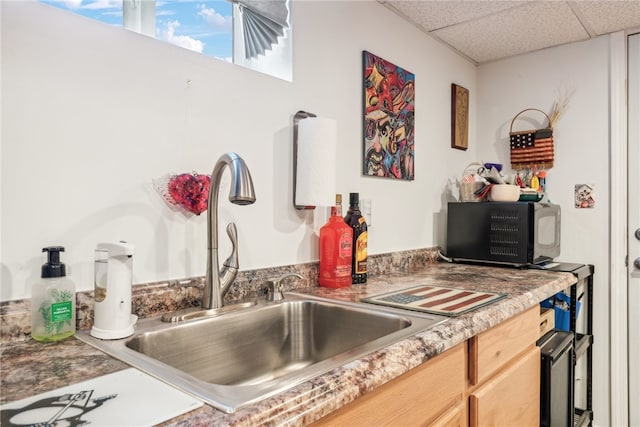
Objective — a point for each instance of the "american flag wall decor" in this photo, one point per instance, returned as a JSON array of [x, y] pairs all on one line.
[[531, 148]]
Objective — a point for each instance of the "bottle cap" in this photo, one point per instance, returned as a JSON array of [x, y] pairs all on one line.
[[53, 267], [354, 198]]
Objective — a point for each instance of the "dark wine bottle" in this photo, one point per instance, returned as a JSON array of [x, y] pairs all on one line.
[[356, 221]]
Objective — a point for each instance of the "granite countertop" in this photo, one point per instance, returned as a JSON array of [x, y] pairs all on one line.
[[29, 368]]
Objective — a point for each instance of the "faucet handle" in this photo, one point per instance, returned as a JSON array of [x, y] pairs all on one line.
[[232, 232], [274, 286]]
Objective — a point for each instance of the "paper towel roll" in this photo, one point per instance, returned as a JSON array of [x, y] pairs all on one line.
[[316, 169]]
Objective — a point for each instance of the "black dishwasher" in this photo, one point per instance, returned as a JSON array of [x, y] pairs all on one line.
[[556, 378]]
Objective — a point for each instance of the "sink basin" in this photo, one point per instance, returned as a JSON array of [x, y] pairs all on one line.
[[244, 356]]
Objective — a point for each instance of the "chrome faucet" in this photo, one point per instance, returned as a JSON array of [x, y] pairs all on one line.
[[218, 281]]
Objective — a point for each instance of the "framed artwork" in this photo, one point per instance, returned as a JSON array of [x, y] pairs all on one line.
[[389, 122], [459, 117]]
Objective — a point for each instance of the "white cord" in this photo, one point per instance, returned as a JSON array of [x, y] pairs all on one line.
[[443, 257]]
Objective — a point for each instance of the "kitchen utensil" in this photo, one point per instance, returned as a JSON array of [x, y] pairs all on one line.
[[482, 192], [494, 176]]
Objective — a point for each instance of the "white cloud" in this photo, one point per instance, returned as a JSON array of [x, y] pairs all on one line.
[[103, 4], [72, 4], [165, 12], [168, 34], [92, 5], [69, 4], [216, 20]]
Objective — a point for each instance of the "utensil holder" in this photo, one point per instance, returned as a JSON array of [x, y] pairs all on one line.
[[467, 189]]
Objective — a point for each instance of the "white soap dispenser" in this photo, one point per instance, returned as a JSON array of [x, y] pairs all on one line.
[[113, 278]]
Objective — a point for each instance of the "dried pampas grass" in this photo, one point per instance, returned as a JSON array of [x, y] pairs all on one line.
[[559, 107]]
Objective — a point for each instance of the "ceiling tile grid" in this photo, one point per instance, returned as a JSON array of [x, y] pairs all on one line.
[[514, 31], [487, 30], [610, 16], [434, 15]]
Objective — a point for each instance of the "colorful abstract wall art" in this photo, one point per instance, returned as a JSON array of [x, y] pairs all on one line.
[[389, 99]]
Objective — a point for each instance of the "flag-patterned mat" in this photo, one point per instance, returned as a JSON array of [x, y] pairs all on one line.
[[436, 299]]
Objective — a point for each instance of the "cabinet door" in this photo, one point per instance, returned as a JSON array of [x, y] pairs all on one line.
[[510, 398], [454, 417], [413, 399]]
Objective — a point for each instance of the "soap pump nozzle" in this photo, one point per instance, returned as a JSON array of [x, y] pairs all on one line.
[[53, 267]]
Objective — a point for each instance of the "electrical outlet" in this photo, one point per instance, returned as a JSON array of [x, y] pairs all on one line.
[[365, 208]]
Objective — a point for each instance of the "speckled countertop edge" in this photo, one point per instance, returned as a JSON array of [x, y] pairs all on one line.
[[326, 393], [55, 365]]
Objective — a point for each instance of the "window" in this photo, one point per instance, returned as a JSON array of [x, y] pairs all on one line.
[[201, 26], [253, 33]]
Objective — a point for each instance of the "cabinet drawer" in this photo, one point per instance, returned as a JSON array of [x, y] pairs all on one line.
[[547, 320], [511, 398], [492, 349], [414, 398]]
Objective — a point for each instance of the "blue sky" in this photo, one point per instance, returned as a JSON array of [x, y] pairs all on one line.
[[203, 26]]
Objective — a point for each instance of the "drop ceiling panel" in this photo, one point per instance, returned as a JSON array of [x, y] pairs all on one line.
[[486, 30], [433, 15], [513, 31], [609, 16]]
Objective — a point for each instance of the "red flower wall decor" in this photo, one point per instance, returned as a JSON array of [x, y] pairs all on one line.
[[188, 191]]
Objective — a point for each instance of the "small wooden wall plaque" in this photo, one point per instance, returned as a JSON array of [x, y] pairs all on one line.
[[459, 117]]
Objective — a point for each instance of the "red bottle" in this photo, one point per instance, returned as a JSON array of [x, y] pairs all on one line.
[[336, 243]]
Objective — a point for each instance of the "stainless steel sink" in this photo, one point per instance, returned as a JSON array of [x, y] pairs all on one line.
[[241, 357]]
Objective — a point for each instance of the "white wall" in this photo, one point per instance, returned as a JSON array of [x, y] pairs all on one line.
[[92, 114], [581, 139]]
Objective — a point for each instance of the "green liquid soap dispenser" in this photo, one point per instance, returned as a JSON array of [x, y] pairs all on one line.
[[53, 301]]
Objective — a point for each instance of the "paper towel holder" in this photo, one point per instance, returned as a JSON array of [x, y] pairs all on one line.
[[300, 115]]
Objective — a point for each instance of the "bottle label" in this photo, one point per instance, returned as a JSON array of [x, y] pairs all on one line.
[[342, 271], [361, 253], [345, 245], [61, 311]]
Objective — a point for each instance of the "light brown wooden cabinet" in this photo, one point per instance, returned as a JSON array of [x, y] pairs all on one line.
[[454, 417], [490, 350], [414, 399], [504, 373], [491, 379], [508, 398]]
